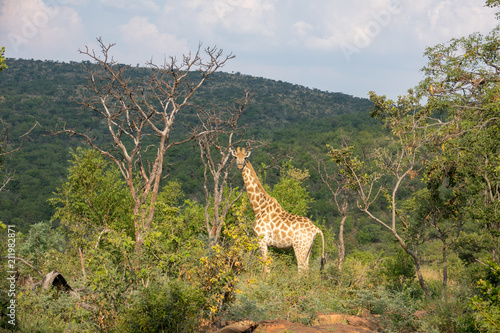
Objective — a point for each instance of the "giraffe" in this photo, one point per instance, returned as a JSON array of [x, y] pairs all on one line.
[[273, 225]]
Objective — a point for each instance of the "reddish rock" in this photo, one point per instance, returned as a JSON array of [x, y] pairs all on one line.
[[326, 323]]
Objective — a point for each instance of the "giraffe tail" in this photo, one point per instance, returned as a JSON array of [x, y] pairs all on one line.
[[323, 258]]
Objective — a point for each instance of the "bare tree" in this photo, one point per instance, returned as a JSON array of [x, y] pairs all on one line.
[[140, 116], [221, 133]]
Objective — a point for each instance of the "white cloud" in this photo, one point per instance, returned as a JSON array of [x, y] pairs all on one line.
[[132, 5], [443, 20], [331, 25], [302, 28], [71, 2], [143, 40], [428, 22], [326, 25], [33, 25], [234, 16]]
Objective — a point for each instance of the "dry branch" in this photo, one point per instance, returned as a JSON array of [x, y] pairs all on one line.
[[136, 111]]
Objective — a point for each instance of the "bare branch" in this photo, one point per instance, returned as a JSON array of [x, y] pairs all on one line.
[[138, 109]]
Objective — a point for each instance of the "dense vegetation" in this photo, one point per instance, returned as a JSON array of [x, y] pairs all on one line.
[[406, 192], [47, 93]]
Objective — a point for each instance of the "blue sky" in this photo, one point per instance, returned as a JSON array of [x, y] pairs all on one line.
[[349, 46]]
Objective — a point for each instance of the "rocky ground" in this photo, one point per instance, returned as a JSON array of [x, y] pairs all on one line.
[[325, 323]]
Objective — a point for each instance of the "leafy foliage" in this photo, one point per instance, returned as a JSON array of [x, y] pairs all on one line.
[[487, 305], [39, 241], [219, 270], [170, 307], [290, 191], [94, 199]]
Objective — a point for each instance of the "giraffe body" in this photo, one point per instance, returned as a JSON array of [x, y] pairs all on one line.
[[273, 225]]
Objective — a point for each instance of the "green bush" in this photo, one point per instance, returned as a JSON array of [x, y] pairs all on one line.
[[399, 271], [49, 311], [172, 307], [40, 239], [218, 271], [396, 310], [486, 306], [451, 315]]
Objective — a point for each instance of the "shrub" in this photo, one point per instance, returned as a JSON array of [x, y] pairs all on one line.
[[284, 294], [399, 271], [395, 310], [50, 311], [173, 307], [41, 239], [451, 315], [217, 274], [487, 306]]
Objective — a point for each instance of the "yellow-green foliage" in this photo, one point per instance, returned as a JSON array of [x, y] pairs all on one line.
[[487, 305], [219, 270]]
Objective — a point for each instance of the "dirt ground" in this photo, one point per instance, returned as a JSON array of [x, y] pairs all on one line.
[[325, 323]]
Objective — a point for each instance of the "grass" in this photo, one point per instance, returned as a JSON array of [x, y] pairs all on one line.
[[359, 288]]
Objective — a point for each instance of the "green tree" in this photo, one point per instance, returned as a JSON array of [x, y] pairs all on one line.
[[487, 304], [290, 190], [392, 169], [435, 212], [41, 238], [175, 240], [449, 124], [337, 181], [462, 88], [94, 200]]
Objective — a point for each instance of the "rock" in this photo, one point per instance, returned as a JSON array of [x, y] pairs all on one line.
[[325, 323], [239, 327], [278, 326]]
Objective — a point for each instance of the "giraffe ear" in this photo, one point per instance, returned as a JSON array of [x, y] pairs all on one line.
[[232, 152], [247, 154]]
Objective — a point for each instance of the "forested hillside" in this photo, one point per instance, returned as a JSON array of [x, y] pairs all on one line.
[[289, 117]]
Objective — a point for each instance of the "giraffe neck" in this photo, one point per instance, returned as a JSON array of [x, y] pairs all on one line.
[[256, 193]]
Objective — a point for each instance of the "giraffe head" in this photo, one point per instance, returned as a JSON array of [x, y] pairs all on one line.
[[240, 155]]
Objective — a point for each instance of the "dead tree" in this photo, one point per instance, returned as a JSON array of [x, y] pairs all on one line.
[[140, 116], [221, 133]]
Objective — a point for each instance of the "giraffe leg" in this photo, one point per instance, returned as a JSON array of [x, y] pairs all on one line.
[[263, 252], [301, 253], [309, 250]]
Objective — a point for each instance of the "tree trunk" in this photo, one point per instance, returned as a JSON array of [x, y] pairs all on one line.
[[341, 249], [419, 276], [445, 269], [417, 264]]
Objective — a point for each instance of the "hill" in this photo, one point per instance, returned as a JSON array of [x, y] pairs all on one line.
[[292, 118]]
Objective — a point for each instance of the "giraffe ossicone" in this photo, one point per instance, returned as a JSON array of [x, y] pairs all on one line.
[[274, 226]]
